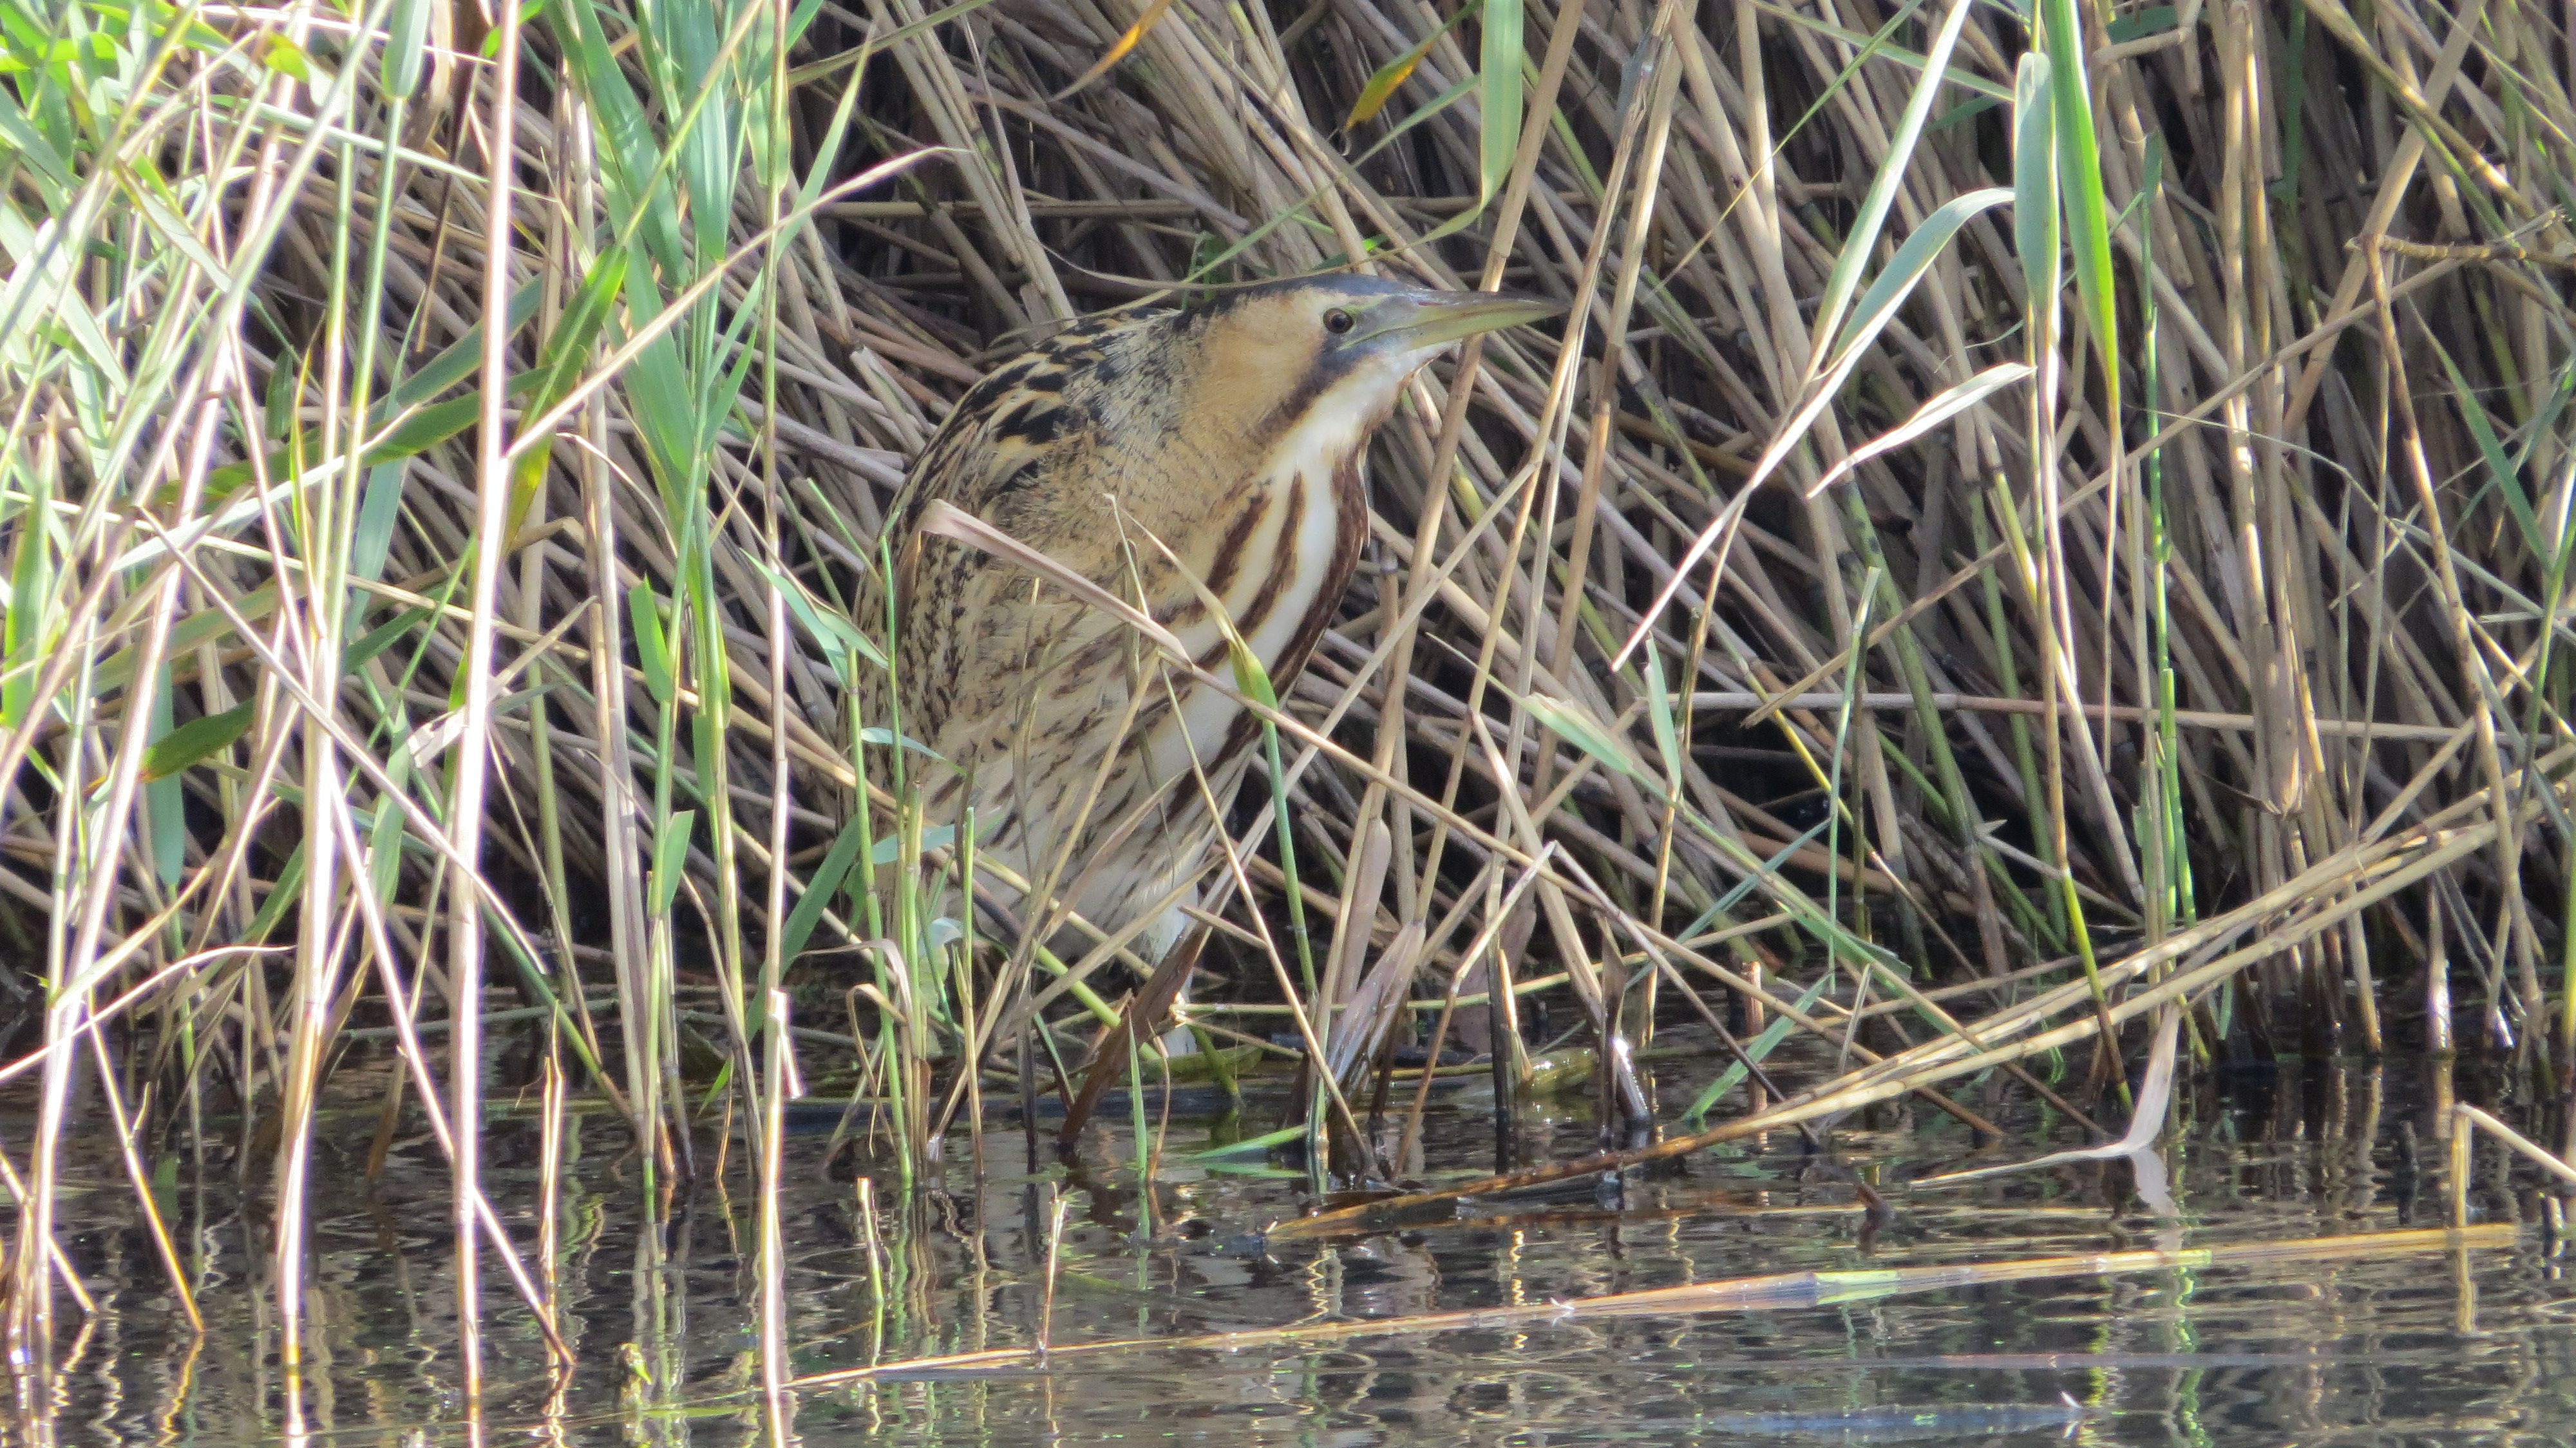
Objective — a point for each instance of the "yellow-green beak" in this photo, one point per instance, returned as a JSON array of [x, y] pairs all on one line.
[[1423, 319]]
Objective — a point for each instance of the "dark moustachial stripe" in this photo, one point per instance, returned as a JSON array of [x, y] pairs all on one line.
[[1328, 368]]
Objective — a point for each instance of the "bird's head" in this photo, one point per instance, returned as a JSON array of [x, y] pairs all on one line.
[[1174, 413], [1331, 352]]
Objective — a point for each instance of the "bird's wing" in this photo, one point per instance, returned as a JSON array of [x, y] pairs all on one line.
[[1023, 453]]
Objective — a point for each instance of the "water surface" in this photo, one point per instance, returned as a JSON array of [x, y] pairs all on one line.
[[2421, 1349]]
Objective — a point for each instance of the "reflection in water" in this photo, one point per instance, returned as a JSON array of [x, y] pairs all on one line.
[[659, 1305]]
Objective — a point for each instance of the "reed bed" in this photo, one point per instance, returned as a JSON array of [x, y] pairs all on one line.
[[2031, 547]]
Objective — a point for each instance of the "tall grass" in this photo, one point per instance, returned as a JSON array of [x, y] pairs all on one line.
[[2022, 532]]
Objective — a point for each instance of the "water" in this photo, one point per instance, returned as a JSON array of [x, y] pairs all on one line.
[[2419, 1349]]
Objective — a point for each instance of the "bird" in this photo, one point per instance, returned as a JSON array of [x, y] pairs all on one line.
[[1185, 461]]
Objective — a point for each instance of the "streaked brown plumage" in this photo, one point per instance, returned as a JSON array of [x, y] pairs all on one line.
[[1234, 434]]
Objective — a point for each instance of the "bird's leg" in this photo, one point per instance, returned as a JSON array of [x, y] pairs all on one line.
[[1181, 1039], [1145, 1010]]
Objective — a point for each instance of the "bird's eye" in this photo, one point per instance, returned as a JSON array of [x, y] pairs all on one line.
[[1338, 321]]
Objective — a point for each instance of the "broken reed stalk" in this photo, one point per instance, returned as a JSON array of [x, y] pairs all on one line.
[[483, 536], [2466, 1122]]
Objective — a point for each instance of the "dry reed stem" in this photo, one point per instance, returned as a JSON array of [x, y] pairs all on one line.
[[1742, 1294]]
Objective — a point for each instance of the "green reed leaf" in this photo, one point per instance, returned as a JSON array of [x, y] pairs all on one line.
[[196, 740]]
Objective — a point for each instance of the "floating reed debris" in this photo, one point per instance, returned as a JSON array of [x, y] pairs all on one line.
[[1769, 1293]]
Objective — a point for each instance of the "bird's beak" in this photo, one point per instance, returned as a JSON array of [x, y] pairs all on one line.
[[1435, 319]]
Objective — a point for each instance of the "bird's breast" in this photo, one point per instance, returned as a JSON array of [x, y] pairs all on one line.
[[1298, 514], [1280, 560]]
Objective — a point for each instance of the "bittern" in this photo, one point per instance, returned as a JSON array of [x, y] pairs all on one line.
[[1211, 454]]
